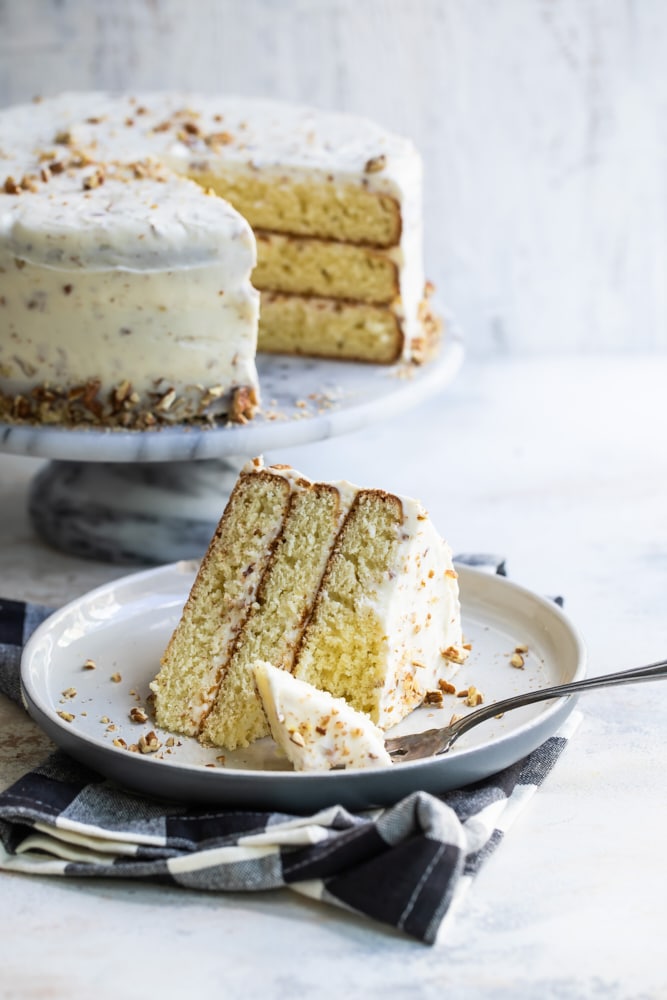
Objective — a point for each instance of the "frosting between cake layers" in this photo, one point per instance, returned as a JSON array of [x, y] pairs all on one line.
[[199, 705]]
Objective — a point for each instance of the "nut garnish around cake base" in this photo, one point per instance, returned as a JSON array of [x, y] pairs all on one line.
[[122, 408]]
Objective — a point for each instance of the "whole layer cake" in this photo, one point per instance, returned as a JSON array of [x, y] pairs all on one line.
[[126, 252], [351, 590]]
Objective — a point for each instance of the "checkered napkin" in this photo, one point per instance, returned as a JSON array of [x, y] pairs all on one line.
[[404, 866]]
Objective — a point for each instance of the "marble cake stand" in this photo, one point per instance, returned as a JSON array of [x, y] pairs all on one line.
[[156, 496]]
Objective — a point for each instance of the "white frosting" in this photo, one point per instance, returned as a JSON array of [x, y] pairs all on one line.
[[120, 272], [316, 731], [162, 252], [290, 140], [418, 605], [128, 222]]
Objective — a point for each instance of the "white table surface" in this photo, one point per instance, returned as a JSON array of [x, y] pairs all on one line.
[[561, 466]]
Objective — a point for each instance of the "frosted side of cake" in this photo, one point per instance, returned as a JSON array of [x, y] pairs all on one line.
[[125, 299], [386, 624]]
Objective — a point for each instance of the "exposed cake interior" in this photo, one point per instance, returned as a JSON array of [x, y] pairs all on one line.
[[274, 623], [128, 236], [351, 590], [226, 586]]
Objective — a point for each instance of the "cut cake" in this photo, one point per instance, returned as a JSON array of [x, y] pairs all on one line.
[[124, 291], [352, 590]]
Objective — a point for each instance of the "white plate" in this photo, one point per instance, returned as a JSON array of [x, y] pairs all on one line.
[[124, 627]]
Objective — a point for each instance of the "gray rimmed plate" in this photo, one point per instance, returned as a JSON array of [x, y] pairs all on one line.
[[124, 626]]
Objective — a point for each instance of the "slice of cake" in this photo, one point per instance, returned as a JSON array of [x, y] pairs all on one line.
[[124, 273], [316, 731], [352, 590]]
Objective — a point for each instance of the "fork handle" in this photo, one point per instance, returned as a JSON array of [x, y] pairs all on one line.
[[652, 672]]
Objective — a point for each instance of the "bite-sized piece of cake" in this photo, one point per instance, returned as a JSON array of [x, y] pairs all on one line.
[[124, 292], [350, 589], [316, 731], [125, 299]]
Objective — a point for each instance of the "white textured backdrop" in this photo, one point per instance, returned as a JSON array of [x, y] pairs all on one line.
[[543, 125]]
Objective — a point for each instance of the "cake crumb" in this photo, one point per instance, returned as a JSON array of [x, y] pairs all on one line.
[[116, 678], [66, 716], [517, 661], [89, 665]]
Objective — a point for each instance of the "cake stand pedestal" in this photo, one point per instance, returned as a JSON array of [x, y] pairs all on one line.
[[156, 496]]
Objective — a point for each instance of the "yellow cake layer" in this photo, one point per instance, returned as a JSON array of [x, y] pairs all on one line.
[[345, 630], [329, 328], [345, 212], [275, 620], [218, 602], [328, 268]]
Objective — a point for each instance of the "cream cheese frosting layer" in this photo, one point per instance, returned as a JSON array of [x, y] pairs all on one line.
[[194, 131], [421, 612], [134, 216]]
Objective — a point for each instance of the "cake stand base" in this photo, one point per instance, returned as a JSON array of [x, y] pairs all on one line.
[[143, 512]]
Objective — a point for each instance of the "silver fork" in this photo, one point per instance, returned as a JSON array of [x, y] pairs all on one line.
[[439, 741]]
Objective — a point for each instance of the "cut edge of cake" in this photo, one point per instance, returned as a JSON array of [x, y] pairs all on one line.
[[335, 187], [374, 622]]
